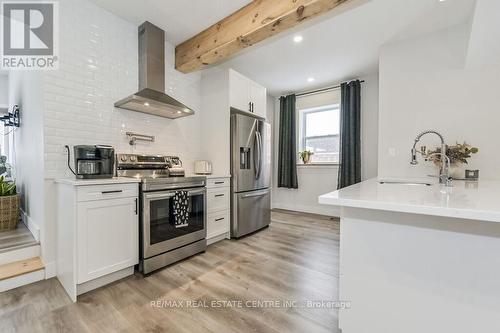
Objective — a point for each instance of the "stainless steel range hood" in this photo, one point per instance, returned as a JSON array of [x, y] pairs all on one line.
[[151, 97]]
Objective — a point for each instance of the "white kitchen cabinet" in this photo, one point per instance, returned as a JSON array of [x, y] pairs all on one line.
[[258, 99], [246, 95], [239, 95], [224, 90], [97, 232], [218, 207], [107, 237]]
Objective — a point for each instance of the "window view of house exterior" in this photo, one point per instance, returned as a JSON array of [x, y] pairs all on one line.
[[319, 133], [318, 125]]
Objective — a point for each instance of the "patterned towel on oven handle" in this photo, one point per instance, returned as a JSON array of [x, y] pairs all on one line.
[[180, 208]]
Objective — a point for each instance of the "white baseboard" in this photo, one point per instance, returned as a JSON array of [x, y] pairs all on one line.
[[218, 238], [31, 225], [104, 280], [321, 210], [50, 269], [22, 280], [19, 254]]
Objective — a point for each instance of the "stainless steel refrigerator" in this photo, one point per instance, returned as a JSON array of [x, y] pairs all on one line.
[[250, 174]]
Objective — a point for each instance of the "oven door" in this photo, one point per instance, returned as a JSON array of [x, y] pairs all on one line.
[[158, 229]]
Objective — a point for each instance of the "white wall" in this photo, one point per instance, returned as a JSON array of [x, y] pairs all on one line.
[[317, 180], [26, 145], [484, 48], [98, 66], [369, 127], [4, 103], [424, 85], [216, 120], [4, 89]]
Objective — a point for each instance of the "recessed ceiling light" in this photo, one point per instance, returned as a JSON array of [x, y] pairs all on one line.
[[146, 104], [310, 79], [298, 39]]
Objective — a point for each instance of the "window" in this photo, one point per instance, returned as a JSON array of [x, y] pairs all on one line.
[[319, 129]]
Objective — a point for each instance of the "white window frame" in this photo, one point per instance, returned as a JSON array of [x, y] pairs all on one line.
[[301, 137]]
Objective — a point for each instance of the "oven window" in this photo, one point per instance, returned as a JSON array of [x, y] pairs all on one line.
[[162, 226]]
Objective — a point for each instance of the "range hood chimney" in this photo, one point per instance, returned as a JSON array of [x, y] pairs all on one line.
[[151, 97]]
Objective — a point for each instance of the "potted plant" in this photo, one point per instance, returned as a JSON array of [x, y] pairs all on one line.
[[305, 156], [458, 154], [9, 205]]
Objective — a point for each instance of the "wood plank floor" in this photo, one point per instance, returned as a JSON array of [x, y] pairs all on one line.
[[295, 259], [19, 237]]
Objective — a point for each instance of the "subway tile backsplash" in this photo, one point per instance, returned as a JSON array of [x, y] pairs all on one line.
[[98, 66]]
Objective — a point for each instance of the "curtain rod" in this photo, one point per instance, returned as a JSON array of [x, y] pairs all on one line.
[[321, 90]]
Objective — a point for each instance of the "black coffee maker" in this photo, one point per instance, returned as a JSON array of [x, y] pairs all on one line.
[[92, 162]]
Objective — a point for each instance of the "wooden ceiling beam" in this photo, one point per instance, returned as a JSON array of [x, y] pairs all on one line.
[[249, 25]]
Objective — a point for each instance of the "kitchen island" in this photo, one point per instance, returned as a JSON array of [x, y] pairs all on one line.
[[419, 258]]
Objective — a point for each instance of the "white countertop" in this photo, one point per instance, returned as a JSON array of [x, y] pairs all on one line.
[[105, 181], [466, 199]]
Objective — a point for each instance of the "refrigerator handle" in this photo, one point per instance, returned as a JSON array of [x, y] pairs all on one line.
[[255, 194], [257, 156], [261, 151]]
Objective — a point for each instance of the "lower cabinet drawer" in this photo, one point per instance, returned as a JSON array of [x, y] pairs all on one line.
[[217, 224], [218, 182], [111, 191], [217, 199]]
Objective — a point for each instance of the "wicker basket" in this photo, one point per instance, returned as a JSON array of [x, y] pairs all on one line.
[[9, 212]]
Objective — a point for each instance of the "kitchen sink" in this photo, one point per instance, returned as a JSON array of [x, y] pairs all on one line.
[[397, 182]]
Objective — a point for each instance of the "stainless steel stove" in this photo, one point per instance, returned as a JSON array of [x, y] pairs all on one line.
[[163, 240]]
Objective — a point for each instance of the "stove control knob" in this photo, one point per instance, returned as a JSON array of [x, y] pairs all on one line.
[[133, 158], [123, 158]]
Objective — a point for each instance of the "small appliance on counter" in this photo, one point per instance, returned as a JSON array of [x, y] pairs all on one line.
[[471, 174], [175, 168], [202, 167], [93, 162]]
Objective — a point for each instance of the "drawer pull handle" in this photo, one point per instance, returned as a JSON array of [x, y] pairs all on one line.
[[109, 192], [219, 195], [218, 183], [219, 219]]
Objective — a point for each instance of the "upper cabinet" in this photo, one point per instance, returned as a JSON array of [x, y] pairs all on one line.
[[246, 95], [222, 90]]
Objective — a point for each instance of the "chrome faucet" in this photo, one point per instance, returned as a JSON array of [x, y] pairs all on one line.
[[444, 175]]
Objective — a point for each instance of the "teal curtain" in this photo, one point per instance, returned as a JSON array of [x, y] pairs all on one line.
[[287, 149], [350, 134]]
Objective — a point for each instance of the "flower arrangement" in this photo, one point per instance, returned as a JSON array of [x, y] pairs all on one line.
[[458, 153], [305, 156]]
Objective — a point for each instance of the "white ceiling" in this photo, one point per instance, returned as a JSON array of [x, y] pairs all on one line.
[[334, 48], [346, 46], [181, 19]]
